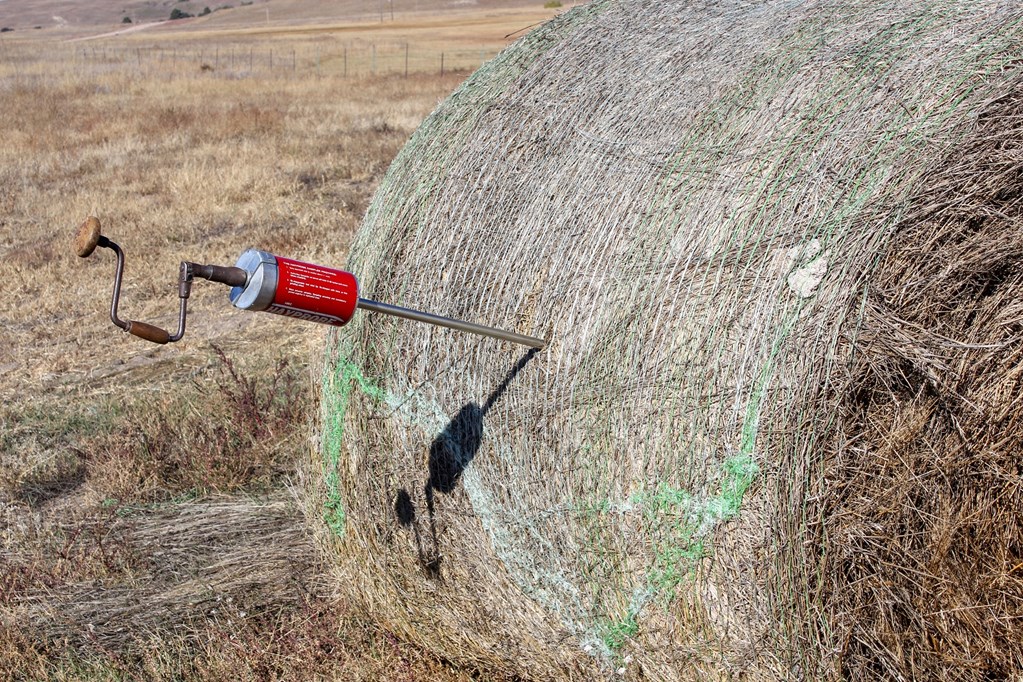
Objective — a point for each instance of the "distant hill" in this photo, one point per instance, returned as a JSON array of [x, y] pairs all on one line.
[[22, 15]]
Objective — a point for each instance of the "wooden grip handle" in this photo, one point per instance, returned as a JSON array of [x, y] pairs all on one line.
[[87, 237], [148, 332]]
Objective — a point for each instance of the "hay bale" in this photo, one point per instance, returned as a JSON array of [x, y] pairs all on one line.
[[776, 249]]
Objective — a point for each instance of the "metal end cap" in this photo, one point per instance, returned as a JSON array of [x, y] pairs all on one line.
[[261, 281]]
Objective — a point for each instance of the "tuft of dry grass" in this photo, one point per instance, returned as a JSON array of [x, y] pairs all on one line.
[[248, 602], [243, 434]]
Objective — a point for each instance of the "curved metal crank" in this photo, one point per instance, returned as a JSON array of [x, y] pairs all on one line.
[[89, 237]]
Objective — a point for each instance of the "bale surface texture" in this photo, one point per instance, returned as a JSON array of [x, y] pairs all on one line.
[[776, 249]]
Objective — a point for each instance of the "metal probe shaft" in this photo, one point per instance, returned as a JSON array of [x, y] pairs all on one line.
[[451, 323]]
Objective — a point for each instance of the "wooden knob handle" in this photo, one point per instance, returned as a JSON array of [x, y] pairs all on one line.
[[148, 332], [88, 237]]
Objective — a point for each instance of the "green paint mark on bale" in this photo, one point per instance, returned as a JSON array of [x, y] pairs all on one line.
[[616, 633], [680, 525], [337, 393], [333, 508]]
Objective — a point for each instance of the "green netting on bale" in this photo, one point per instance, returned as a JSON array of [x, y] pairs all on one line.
[[697, 204]]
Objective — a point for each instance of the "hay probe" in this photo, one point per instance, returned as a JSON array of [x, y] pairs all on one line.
[[264, 282]]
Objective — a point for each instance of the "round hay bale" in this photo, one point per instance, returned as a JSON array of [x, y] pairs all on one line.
[[776, 249]]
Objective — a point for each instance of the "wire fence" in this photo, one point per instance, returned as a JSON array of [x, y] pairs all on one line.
[[240, 61]]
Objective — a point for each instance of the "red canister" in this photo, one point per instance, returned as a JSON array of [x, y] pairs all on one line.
[[296, 289], [314, 292]]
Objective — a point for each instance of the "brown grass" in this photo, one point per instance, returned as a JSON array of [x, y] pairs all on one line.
[[147, 526]]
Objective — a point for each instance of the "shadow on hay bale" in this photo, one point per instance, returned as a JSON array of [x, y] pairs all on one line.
[[450, 453], [776, 249]]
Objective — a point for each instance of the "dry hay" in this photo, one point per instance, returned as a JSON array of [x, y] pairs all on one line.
[[775, 247], [188, 563], [921, 492]]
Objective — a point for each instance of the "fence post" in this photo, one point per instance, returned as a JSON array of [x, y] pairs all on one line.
[[442, 63], [271, 58], [406, 59], [373, 62], [293, 62], [346, 61]]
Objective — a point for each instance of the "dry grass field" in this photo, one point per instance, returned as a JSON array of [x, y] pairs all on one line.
[[92, 17], [150, 528]]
